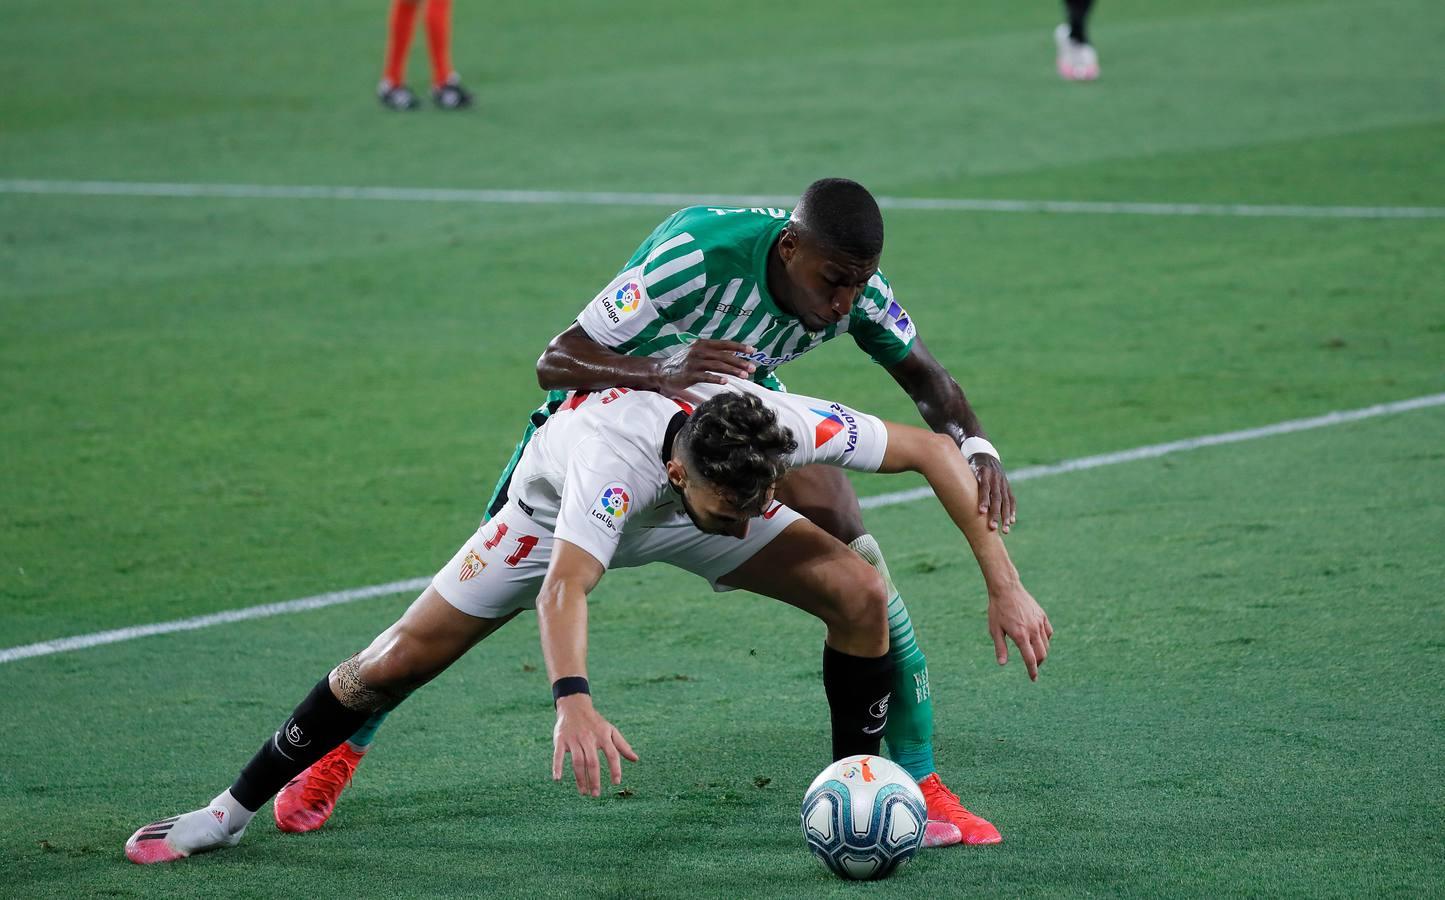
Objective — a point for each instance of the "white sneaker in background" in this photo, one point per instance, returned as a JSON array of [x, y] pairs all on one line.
[[1076, 61]]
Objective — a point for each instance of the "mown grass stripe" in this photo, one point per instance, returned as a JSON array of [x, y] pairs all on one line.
[[1151, 451], [675, 200]]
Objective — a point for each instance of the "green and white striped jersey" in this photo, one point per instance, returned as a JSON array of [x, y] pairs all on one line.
[[703, 274]]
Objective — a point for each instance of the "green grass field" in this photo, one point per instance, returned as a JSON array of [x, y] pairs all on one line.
[[214, 403]]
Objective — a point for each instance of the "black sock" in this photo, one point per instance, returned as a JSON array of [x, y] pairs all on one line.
[[1079, 19], [316, 727], [858, 689]]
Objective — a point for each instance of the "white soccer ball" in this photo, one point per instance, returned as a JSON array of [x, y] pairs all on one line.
[[863, 816]]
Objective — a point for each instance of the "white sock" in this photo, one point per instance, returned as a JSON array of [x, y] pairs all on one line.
[[237, 816], [872, 554]]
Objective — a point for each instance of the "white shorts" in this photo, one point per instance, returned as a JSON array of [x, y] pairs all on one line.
[[501, 567]]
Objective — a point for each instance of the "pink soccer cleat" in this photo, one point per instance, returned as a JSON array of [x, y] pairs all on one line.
[[180, 836], [941, 834], [308, 800], [943, 806]]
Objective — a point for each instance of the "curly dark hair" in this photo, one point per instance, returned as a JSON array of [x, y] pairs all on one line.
[[734, 442]]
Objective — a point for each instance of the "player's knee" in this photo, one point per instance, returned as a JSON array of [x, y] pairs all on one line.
[[874, 601], [866, 609], [400, 667], [379, 677]]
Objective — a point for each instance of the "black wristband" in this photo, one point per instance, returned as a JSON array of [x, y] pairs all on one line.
[[569, 685]]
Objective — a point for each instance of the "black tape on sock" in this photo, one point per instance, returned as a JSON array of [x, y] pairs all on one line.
[[858, 689], [315, 728]]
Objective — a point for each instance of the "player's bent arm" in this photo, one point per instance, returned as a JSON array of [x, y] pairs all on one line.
[[935, 456], [562, 609], [943, 406], [1012, 611], [936, 393], [581, 731], [573, 361]]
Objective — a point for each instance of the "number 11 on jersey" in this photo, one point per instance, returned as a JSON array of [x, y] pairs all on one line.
[[525, 543]]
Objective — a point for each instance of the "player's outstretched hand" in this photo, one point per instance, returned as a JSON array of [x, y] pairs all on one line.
[[582, 732], [1014, 613], [703, 360], [995, 497]]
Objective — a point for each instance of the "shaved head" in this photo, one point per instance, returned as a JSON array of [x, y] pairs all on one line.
[[840, 216]]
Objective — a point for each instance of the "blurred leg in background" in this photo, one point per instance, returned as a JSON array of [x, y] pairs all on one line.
[[1076, 59], [446, 85], [447, 91]]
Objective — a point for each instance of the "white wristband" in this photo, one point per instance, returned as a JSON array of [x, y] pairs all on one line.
[[973, 445]]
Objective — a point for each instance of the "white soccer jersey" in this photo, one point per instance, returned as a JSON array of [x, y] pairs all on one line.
[[596, 471]]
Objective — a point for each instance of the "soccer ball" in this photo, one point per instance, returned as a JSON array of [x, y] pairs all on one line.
[[863, 816]]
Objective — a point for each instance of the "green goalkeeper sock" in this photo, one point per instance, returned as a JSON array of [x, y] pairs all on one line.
[[367, 732], [910, 714]]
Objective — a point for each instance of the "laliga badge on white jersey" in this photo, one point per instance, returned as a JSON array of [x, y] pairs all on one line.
[[611, 506]]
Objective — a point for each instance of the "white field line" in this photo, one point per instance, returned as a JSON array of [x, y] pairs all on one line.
[[96, 639], [676, 200], [1152, 450], [81, 642]]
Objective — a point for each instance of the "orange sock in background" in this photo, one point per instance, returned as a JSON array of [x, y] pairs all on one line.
[[439, 39], [398, 41]]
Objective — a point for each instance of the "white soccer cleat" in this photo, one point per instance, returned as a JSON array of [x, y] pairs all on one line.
[[1076, 61], [180, 836]]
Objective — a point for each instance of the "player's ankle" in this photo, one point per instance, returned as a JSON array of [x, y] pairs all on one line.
[[237, 816]]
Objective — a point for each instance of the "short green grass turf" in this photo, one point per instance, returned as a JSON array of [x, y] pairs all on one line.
[[211, 404], [246, 424], [1242, 699], [766, 98]]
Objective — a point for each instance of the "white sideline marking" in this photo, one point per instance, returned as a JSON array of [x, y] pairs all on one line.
[[676, 200], [96, 639], [81, 642], [1149, 452]]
